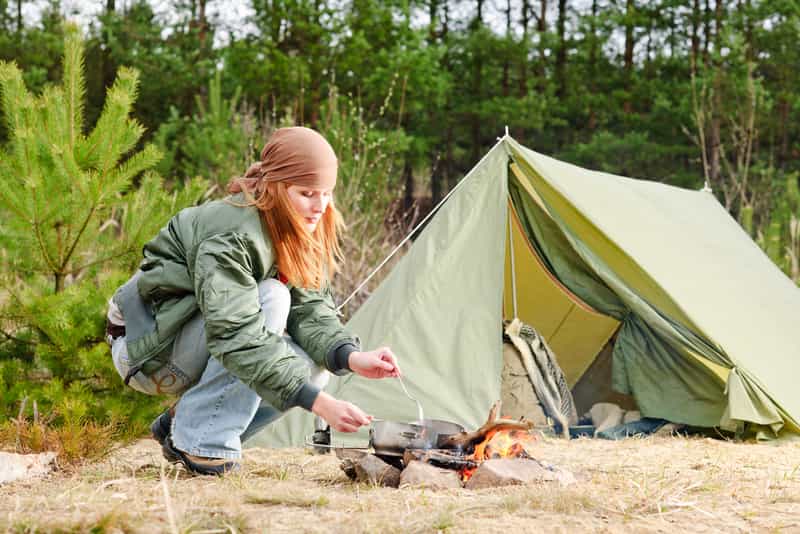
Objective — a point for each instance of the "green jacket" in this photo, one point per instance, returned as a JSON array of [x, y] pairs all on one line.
[[211, 258]]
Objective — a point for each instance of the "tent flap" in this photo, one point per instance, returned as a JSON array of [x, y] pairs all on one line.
[[664, 383]]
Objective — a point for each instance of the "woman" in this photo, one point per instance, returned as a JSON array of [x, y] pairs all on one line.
[[231, 310]]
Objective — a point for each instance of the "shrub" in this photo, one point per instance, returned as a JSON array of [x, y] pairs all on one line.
[[75, 210]]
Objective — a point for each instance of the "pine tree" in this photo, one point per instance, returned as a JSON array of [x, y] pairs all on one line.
[[75, 209], [64, 192]]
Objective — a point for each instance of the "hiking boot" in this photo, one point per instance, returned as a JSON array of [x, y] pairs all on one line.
[[200, 465], [161, 429]]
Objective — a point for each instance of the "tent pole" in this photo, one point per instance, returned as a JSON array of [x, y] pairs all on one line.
[[513, 268]]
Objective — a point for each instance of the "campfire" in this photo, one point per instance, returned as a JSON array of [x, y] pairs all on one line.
[[501, 443], [501, 452]]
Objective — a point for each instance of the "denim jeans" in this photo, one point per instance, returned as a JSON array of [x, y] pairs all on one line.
[[216, 411]]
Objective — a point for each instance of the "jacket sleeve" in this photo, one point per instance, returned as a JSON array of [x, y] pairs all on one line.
[[314, 326], [227, 295]]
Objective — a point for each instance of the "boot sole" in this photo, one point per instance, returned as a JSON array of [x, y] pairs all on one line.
[[197, 468]]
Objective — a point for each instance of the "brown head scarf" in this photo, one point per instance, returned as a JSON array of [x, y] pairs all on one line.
[[297, 156]]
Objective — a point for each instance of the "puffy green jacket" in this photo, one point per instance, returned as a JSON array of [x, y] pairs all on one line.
[[211, 258]]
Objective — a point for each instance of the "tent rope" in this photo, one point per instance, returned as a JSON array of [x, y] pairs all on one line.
[[513, 268], [412, 232]]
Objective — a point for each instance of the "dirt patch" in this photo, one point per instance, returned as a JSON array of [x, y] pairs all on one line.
[[651, 484]]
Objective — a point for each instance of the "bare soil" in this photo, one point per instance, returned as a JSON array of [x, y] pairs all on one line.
[[655, 484]]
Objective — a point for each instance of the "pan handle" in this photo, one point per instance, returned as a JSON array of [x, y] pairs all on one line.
[[309, 443]]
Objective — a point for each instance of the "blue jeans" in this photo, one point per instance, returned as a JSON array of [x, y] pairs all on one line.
[[216, 411]]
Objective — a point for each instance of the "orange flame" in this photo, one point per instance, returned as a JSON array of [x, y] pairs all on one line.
[[502, 443]]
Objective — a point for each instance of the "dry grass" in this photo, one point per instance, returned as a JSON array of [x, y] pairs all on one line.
[[74, 442], [652, 484]]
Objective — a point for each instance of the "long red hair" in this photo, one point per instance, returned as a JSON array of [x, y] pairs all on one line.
[[307, 259]]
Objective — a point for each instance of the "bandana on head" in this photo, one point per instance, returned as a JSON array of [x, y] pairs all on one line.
[[297, 156]]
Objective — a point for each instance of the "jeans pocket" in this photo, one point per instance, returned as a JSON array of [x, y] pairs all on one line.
[[170, 380]]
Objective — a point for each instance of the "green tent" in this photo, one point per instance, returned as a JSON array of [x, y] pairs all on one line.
[[697, 324]]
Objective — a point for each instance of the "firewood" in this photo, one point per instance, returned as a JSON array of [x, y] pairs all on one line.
[[439, 457], [465, 440]]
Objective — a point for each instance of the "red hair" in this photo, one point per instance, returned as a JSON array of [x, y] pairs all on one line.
[[307, 259]]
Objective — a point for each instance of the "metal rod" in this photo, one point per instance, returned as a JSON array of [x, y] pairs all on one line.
[[420, 413]]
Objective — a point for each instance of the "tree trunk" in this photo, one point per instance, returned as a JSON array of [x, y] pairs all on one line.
[[523, 59], [477, 86], [561, 53], [506, 83], [433, 14], [783, 127], [541, 29], [449, 159], [707, 32], [673, 34], [108, 68], [275, 21], [202, 23], [593, 65], [630, 7], [408, 187], [541, 20], [19, 19], [446, 21], [695, 51], [437, 181], [748, 30], [715, 135], [447, 163], [315, 62]]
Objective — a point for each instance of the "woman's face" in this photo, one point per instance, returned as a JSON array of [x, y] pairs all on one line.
[[309, 203]]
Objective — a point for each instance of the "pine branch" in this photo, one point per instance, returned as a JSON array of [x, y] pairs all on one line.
[[74, 83], [40, 240], [115, 256], [77, 239], [16, 339], [26, 317]]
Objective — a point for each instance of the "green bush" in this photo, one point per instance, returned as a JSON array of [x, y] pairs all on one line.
[[218, 142], [780, 238], [59, 361]]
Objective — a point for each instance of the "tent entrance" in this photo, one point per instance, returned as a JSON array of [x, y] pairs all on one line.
[[576, 332]]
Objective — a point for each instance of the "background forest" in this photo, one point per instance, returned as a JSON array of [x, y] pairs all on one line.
[[411, 94]]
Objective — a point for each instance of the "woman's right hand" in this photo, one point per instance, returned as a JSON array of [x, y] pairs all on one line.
[[341, 415]]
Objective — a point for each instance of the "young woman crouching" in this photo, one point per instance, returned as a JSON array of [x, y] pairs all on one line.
[[231, 310]]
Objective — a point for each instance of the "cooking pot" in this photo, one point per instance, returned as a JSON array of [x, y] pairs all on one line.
[[392, 438]]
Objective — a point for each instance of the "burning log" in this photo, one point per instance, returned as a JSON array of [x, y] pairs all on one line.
[[466, 440], [439, 457]]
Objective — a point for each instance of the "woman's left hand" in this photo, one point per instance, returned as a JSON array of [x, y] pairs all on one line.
[[379, 363]]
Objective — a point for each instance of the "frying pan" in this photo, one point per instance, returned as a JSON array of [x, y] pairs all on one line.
[[392, 438]]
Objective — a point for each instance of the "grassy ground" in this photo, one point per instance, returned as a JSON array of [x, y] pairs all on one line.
[[653, 484]]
